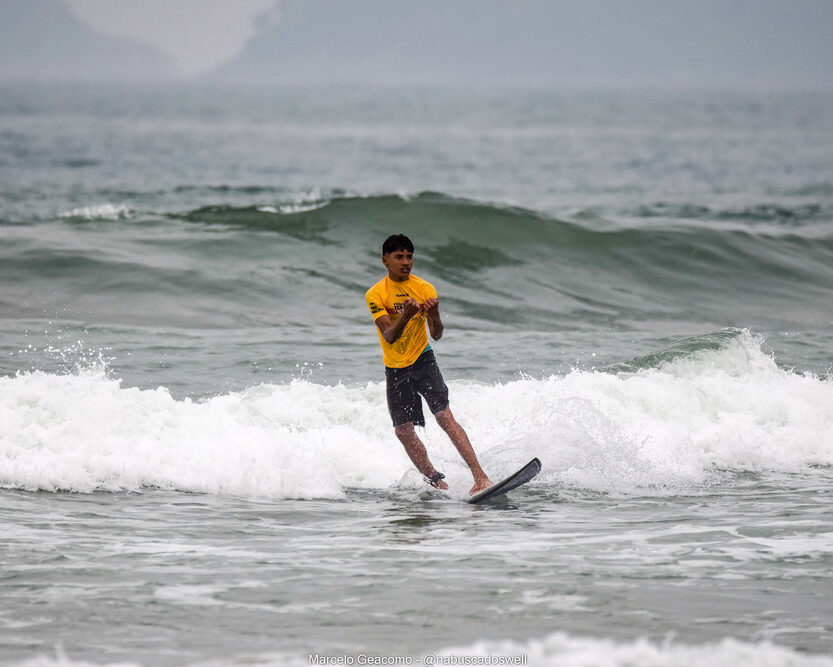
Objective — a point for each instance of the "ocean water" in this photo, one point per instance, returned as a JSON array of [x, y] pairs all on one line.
[[196, 462]]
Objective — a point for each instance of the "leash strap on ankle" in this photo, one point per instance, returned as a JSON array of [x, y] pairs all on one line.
[[435, 478]]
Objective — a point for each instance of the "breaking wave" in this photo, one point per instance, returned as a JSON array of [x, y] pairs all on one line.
[[670, 425]]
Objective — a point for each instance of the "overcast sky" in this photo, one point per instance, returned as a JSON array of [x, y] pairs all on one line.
[[722, 43]]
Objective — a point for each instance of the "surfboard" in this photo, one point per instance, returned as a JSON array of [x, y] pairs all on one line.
[[506, 485]]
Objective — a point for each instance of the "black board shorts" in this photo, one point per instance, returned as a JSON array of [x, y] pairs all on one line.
[[404, 386]]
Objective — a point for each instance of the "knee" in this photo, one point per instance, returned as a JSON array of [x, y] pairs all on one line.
[[445, 419]]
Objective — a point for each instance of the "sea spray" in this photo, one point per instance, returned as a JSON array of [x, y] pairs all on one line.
[[564, 650], [666, 429]]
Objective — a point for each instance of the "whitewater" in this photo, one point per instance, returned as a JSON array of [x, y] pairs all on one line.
[[197, 466], [676, 428]]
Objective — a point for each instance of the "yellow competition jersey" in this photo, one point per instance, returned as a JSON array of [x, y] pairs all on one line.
[[386, 298]]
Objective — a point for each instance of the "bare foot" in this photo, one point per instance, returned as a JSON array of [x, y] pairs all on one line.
[[480, 484]]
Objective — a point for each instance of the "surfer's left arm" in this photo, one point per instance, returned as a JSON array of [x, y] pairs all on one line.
[[431, 307]]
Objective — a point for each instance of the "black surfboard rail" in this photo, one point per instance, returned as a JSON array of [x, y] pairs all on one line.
[[506, 485]]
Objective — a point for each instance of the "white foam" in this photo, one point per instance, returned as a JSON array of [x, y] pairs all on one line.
[[86, 432], [300, 202], [673, 426], [662, 430], [100, 212], [555, 650], [567, 651], [287, 209]]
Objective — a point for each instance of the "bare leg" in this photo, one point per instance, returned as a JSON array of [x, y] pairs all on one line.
[[416, 451], [461, 441]]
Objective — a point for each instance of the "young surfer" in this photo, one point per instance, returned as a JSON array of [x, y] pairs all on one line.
[[401, 305]]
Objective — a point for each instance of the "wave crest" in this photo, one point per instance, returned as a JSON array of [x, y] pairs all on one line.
[[666, 428]]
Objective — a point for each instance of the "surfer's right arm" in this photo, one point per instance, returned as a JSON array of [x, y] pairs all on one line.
[[392, 332]]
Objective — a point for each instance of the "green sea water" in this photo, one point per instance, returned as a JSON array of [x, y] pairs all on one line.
[[196, 461]]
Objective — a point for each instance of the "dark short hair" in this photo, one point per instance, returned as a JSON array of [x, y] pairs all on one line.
[[396, 242]]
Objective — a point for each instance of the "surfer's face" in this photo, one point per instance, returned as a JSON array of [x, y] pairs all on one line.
[[398, 264]]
